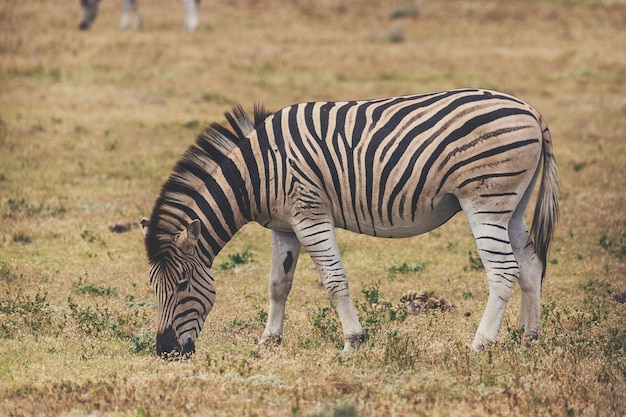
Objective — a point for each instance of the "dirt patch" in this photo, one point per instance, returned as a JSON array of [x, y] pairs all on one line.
[[620, 298], [416, 302]]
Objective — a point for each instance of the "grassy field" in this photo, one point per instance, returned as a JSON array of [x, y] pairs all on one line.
[[92, 122]]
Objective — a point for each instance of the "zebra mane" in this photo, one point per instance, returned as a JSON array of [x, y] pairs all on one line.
[[218, 141], [200, 158]]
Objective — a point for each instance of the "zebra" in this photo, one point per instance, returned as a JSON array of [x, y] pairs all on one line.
[[390, 167], [90, 10]]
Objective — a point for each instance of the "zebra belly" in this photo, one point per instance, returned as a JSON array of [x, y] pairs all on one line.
[[424, 221]]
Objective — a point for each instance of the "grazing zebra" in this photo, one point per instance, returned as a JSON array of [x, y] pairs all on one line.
[[90, 10], [392, 167]]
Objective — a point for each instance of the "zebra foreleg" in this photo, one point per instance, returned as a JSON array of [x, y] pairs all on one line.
[[319, 240], [285, 251]]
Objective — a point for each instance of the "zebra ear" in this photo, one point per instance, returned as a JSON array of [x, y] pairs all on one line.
[[189, 238], [144, 225]]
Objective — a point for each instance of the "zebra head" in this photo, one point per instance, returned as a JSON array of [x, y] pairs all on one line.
[[183, 285]]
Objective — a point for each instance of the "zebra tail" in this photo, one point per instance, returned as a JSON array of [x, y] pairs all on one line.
[[547, 206]]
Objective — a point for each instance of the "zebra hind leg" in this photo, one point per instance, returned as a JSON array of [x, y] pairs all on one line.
[[502, 271], [531, 269], [530, 277], [285, 251]]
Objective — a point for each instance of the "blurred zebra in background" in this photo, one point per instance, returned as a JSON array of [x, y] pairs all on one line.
[[393, 167], [90, 11]]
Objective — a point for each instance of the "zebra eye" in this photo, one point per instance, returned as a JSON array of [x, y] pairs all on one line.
[[182, 286]]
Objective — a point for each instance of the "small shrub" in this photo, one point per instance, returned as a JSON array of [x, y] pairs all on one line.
[[24, 304], [261, 316], [616, 247], [376, 312], [94, 320], [400, 353], [139, 412], [550, 314], [597, 295], [596, 287], [32, 315], [236, 259], [372, 295], [110, 145], [91, 237], [255, 322], [17, 206], [516, 335], [615, 343], [142, 342], [91, 320], [5, 271], [337, 411], [475, 263], [55, 74], [192, 124], [84, 288], [408, 9], [326, 325], [216, 98], [405, 269]]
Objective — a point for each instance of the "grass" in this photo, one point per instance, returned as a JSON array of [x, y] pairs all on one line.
[[91, 124], [236, 259]]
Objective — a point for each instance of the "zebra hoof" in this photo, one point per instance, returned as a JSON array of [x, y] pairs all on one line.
[[271, 340], [481, 343], [531, 336], [353, 342]]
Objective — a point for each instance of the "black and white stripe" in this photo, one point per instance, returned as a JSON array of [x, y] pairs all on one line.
[[392, 167]]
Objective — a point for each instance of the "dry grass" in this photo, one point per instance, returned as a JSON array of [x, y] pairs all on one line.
[[90, 124]]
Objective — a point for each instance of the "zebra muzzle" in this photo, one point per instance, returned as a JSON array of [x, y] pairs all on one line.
[[168, 347]]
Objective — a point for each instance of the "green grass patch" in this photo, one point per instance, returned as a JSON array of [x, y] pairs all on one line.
[[85, 288], [405, 268], [237, 259]]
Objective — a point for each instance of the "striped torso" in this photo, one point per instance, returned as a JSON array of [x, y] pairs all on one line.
[[389, 167]]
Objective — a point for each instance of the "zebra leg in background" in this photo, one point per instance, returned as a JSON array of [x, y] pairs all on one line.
[[191, 14], [90, 11], [285, 251], [128, 7], [495, 250], [318, 237]]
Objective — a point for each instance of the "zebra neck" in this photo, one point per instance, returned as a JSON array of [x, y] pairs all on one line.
[[223, 205], [214, 237]]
